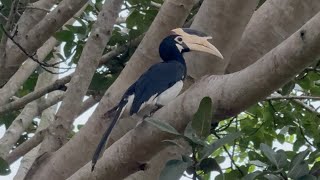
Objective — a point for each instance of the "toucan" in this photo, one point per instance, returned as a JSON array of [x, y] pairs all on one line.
[[162, 82]]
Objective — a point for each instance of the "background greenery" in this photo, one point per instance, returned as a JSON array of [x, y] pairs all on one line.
[[252, 154]]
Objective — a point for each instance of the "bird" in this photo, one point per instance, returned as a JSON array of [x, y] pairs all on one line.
[[162, 82]]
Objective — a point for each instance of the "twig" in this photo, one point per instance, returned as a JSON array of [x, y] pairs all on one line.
[[38, 8], [293, 97], [154, 4], [7, 27], [15, 105], [26, 146], [44, 65], [302, 133], [232, 161], [114, 53], [3, 19]]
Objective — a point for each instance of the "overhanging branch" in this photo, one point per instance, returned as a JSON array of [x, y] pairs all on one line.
[[230, 94]]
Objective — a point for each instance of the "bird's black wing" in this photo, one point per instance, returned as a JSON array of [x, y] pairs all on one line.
[[156, 80]]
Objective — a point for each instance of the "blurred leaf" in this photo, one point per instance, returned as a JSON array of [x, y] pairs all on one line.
[[281, 159], [201, 122], [190, 135], [67, 49], [208, 150], [4, 167], [64, 35], [252, 176], [308, 177], [298, 167], [173, 142], [174, 169], [258, 163], [272, 177], [209, 164], [269, 153], [163, 126], [287, 88]]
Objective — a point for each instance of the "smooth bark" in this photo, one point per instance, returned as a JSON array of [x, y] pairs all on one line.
[[252, 84]]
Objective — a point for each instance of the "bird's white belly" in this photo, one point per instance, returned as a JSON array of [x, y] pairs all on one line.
[[168, 95]]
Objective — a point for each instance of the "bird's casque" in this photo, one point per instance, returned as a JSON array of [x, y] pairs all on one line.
[[162, 82]]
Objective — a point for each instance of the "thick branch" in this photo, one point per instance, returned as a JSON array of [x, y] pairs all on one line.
[[225, 21], [23, 121], [25, 147], [172, 14], [26, 69], [39, 34], [272, 23], [81, 79], [230, 94], [15, 105]]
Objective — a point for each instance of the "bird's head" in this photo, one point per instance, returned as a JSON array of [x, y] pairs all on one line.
[[183, 40]]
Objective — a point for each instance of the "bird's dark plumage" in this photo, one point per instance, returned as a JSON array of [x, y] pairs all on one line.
[[161, 82]]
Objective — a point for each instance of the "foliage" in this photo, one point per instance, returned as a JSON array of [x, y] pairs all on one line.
[[280, 138]]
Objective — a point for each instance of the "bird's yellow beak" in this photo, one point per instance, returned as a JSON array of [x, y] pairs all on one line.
[[197, 41]]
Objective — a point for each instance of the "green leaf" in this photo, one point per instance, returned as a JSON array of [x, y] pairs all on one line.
[[258, 163], [269, 153], [281, 158], [4, 167], [307, 177], [173, 142], [286, 89], [298, 167], [64, 35], [252, 176], [272, 177], [67, 49], [201, 122], [315, 168], [174, 169], [208, 150], [191, 137], [163, 126], [209, 164]]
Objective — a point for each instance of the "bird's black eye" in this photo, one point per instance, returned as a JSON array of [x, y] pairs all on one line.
[[178, 39]]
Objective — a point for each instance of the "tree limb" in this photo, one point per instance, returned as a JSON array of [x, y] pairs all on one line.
[[15, 105], [232, 15], [25, 147], [272, 23], [172, 14], [230, 95], [23, 121], [41, 32]]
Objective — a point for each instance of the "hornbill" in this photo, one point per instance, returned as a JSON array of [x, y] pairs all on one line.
[[162, 82]]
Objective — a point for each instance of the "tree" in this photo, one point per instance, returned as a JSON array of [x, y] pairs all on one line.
[[264, 93]]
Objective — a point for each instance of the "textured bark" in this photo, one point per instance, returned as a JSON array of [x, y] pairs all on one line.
[[40, 33], [23, 73], [23, 121], [63, 163], [254, 83], [272, 23], [31, 17], [89, 61], [157, 163], [225, 21]]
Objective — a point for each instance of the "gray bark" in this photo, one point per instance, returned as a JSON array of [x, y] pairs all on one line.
[[172, 14], [271, 24], [252, 84]]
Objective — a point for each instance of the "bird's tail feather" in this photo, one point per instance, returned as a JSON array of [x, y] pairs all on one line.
[[106, 134]]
